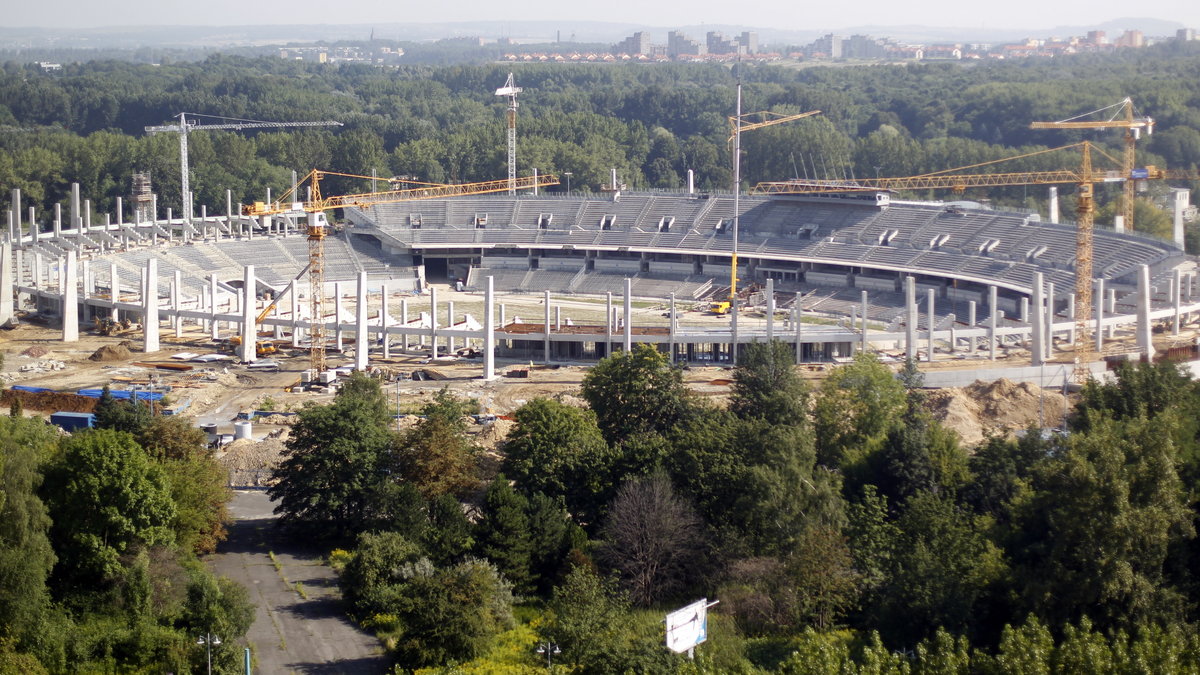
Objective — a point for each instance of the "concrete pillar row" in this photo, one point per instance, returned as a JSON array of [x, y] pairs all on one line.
[[910, 316]]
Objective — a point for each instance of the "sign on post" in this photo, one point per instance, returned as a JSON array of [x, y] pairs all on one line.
[[688, 627]]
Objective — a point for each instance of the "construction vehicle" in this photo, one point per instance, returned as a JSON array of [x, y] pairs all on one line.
[[719, 307], [109, 326], [262, 348], [318, 226]]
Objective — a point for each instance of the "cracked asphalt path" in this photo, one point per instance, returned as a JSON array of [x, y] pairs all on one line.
[[291, 633]]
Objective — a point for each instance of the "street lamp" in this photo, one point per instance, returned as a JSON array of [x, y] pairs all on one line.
[[568, 174], [208, 640], [550, 650]]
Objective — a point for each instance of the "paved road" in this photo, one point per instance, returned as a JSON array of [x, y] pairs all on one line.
[[291, 634]]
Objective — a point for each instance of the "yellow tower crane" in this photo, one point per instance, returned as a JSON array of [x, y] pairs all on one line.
[[1122, 119], [1085, 178], [318, 226]]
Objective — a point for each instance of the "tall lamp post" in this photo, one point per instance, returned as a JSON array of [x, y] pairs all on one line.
[[568, 174], [208, 640], [551, 650]]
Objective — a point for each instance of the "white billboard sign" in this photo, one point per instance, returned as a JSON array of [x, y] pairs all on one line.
[[687, 627]]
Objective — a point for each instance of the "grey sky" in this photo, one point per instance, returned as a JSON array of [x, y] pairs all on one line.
[[799, 15]]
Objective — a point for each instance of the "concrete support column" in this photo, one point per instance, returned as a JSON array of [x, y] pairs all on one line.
[[383, 322], [864, 322], [75, 203], [15, 209], [7, 308], [489, 330], [450, 342], [1145, 342], [150, 308], [971, 317], [1176, 287], [929, 311], [120, 212], [546, 327], [214, 326], [177, 302], [995, 321], [734, 309], [910, 318], [1112, 309], [404, 322], [297, 331], [56, 227], [671, 329], [249, 330], [337, 313], [362, 336], [628, 305], [433, 320], [1099, 295], [1119, 223], [1071, 336], [770, 309], [69, 292], [39, 271], [1037, 315], [1024, 316], [798, 321], [1054, 205], [558, 317], [608, 323], [1182, 197], [13, 235]]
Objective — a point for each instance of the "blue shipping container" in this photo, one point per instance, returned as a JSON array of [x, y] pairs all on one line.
[[73, 421]]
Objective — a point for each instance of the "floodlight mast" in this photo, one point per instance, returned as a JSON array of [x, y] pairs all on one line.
[[511, 90]]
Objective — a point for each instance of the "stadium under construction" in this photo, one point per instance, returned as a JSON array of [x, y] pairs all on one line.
[[829, 274]]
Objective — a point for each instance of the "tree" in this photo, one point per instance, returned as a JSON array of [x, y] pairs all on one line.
[[200, 492], [130, 416], [502, 535], [26, 556], [435, 456], [1095, 537], [635, 392], [332, 464], [219, 607], [106, 498], [558, 450], [172, 437], [765, 384], [587, 619], [1140, 389], [855, 408], [651, 539]]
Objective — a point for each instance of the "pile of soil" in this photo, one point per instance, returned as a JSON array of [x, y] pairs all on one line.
[[251, 462], [48, 401], [493, 435], [36, 351], [1000, 407], [111, 353]]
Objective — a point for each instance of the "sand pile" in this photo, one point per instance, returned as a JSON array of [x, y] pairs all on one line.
[[36, 351], [111, 353], [998, 407], [251, 462], [493, 434]]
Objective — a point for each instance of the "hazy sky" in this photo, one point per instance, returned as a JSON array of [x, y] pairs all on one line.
[[795, 14]]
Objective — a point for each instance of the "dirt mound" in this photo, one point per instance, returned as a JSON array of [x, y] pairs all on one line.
[[36, 351], [998, 407], [251, 462], [112, 353], [492, 436], [49, 401]]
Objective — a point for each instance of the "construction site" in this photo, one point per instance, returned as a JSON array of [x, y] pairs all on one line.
[[503, 292]]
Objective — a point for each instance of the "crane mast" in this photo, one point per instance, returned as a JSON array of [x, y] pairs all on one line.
[[184, 127], [511, 90]]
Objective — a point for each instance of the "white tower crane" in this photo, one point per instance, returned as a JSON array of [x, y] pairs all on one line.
[[186, 126], [511, 90]]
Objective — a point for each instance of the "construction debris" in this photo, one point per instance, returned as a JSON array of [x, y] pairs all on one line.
[[1001, 407]]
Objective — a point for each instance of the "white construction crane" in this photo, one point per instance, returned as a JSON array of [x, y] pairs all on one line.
[[186, 126], [511, 90]]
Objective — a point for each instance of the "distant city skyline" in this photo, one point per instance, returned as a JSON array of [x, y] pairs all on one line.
[[1014, 14]]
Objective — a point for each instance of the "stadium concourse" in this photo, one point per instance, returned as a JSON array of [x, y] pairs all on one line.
[[831, 275]]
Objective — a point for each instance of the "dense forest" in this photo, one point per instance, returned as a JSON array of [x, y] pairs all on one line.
[[652, 122]]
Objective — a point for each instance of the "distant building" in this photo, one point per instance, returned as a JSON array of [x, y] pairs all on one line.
[[749, 42], [1132, 38], [1185, 34], [1097, 37], [679, 44], [638, 43], [829, 46]]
